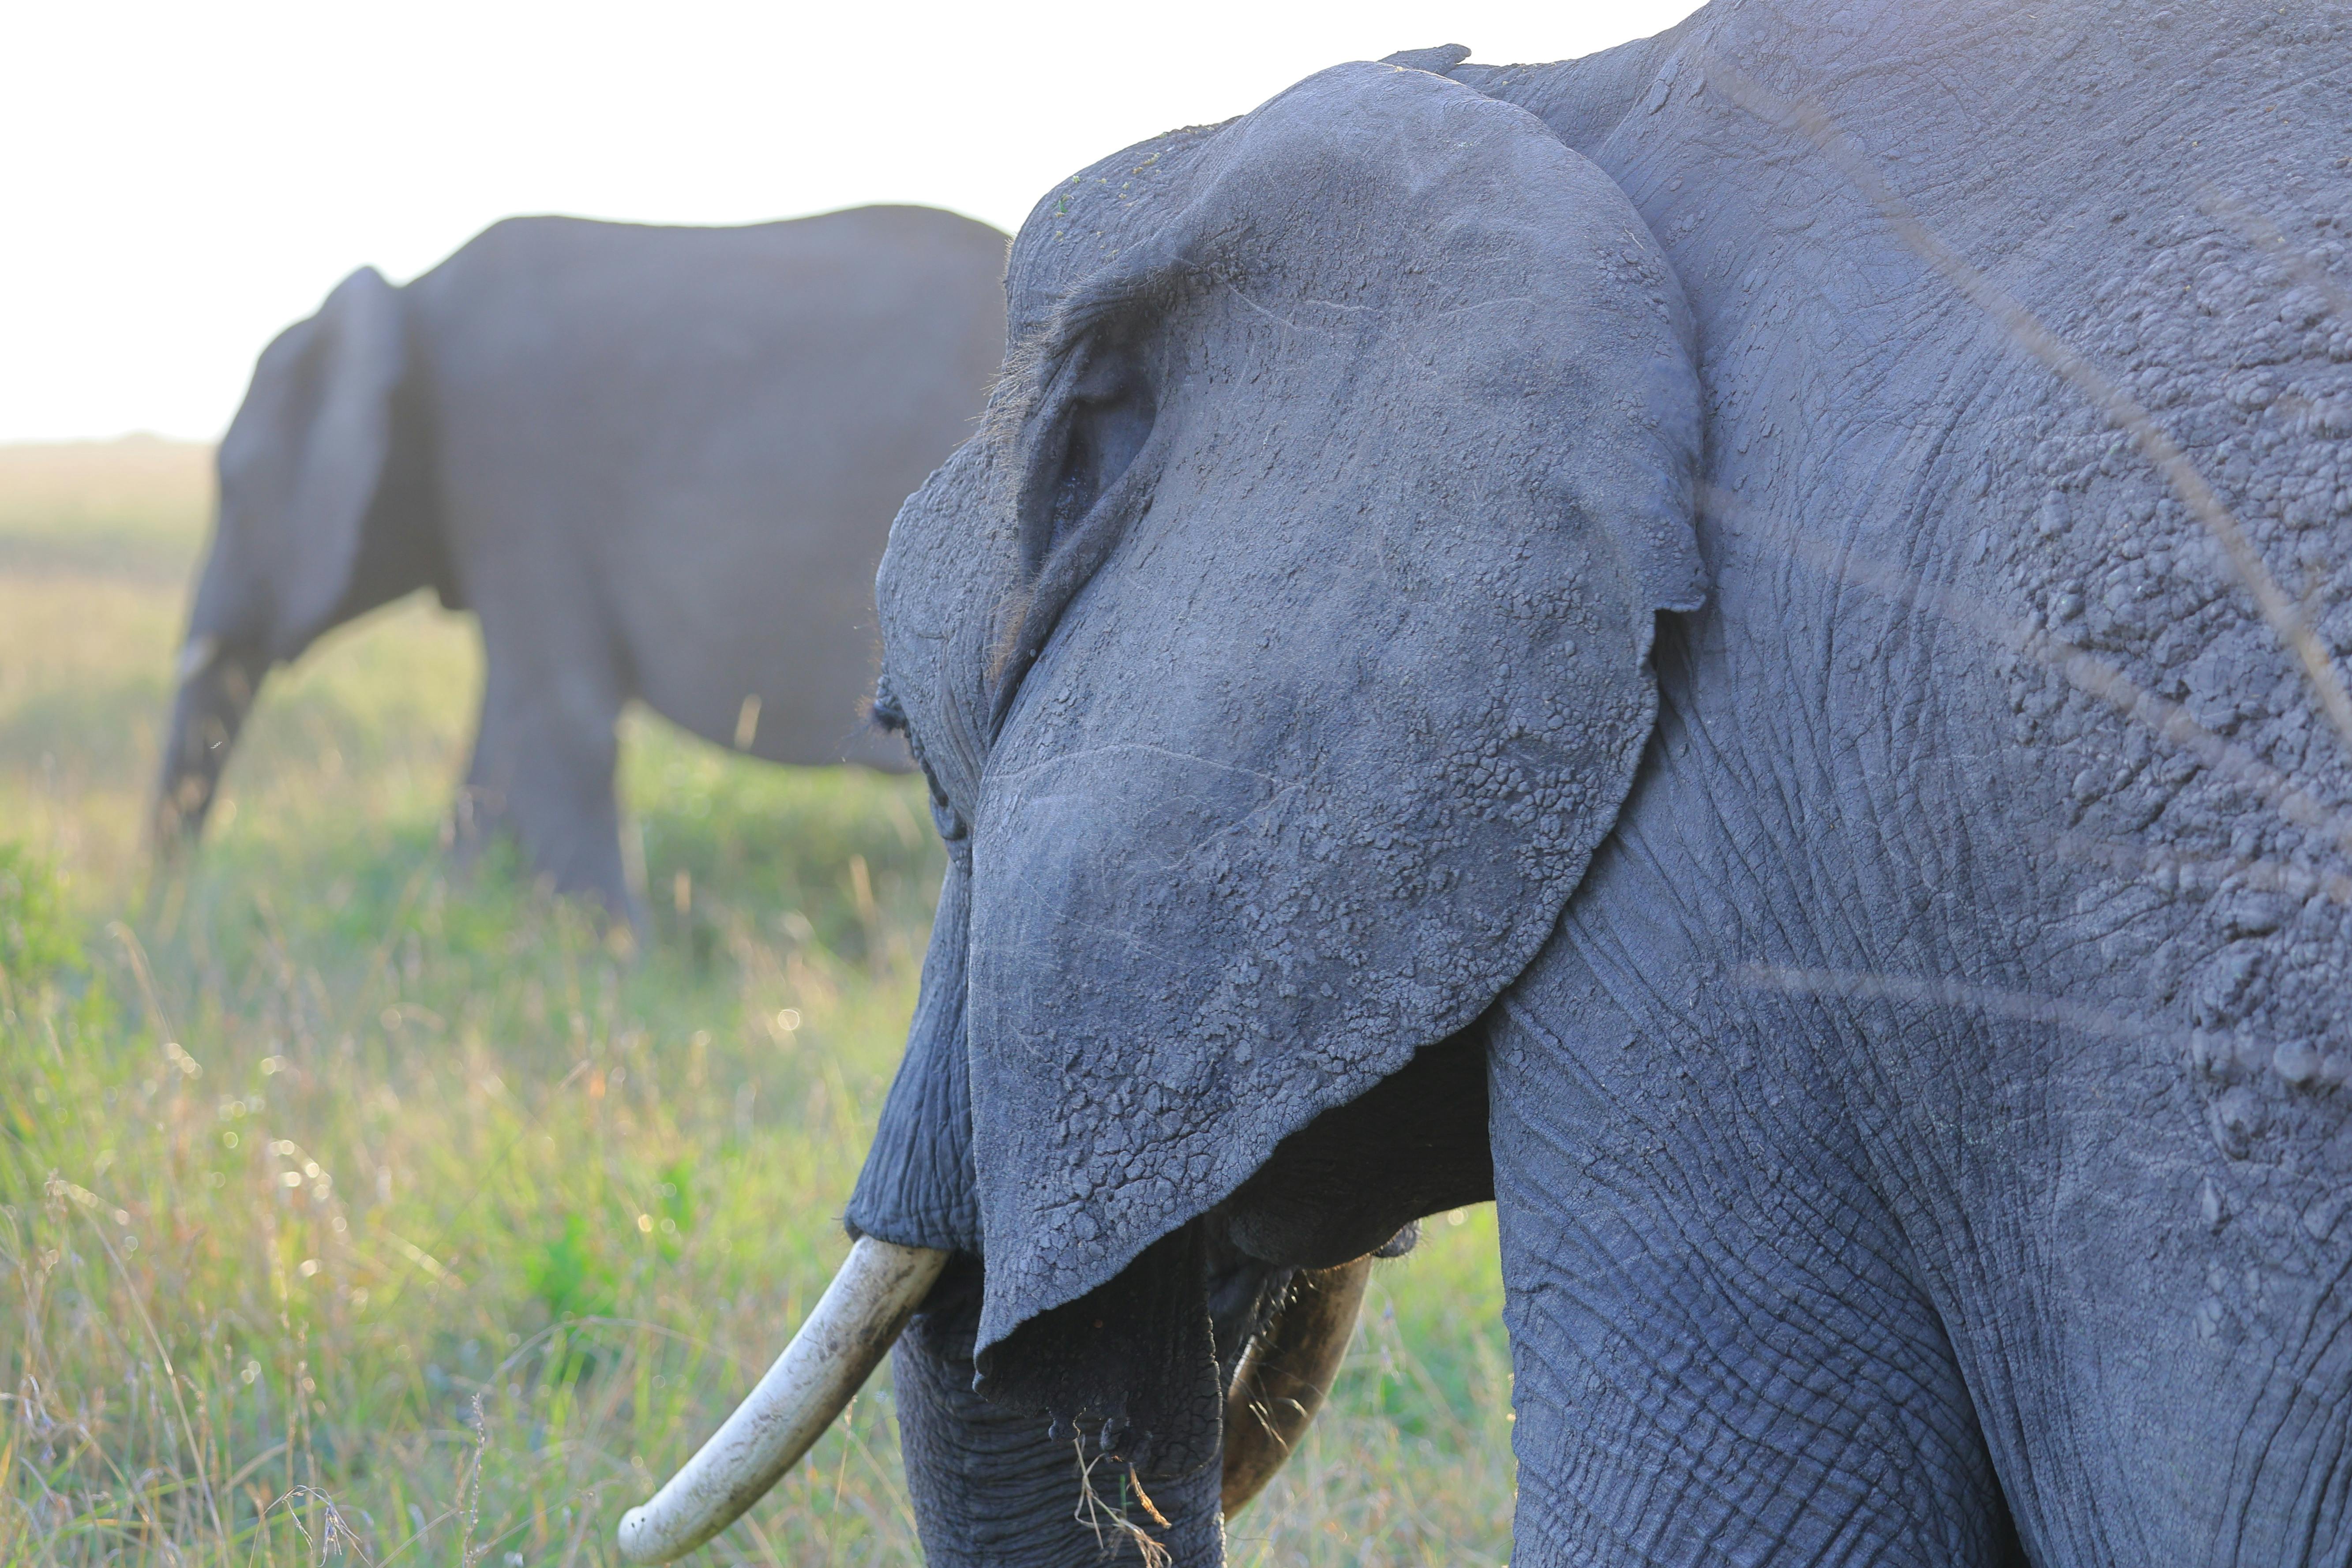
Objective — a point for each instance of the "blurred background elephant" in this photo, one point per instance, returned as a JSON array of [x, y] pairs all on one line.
[[656, 462]]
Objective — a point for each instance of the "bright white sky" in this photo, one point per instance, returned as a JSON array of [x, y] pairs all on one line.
[[179, 181]]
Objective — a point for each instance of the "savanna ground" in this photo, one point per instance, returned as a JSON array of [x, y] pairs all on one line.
[[353, 1210]]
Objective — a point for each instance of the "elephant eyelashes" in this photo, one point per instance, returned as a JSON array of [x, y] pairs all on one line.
[[1104, 419]]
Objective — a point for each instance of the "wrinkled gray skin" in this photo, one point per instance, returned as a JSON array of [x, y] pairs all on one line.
[[656, 463], [1902, 1004]]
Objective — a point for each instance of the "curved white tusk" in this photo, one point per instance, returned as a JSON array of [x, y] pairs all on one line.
[[198, 656], [1285, 1375], [855, 1320]]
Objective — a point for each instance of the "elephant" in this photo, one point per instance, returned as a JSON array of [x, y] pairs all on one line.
[[654, 462], [1735, 643]]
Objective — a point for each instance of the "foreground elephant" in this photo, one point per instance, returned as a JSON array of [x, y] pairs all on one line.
[[657, 463], [1733, 637]]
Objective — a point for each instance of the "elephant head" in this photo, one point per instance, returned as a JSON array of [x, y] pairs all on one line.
[[1278, 654], [313, 527]]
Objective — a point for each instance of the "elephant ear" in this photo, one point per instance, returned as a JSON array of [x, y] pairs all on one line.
[[301, 468], [1346, 461]]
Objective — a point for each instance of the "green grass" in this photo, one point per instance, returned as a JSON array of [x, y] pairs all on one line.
[[350, 1205]]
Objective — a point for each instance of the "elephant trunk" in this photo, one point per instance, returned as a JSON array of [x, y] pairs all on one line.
[[217, 683], [994, 1486]]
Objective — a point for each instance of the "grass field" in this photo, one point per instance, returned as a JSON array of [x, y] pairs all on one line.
[[351, 1210]]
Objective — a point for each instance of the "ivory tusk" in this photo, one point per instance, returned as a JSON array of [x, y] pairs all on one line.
[[852, 1328], [1285, 1375], [198, 657]]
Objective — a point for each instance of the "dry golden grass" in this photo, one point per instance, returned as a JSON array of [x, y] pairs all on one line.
[[350, 1210], [135, 507]]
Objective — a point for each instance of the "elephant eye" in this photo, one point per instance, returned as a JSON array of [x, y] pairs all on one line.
[[953, 827], [1105, 419], [889, 715]]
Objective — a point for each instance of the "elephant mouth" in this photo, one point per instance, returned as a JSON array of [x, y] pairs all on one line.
[[1281, 1384]]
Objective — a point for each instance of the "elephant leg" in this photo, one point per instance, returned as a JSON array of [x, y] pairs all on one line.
[[991, 1485], [542, 769], [1716, 1357]]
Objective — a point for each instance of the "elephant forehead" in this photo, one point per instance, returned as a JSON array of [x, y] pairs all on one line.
[[1365, 170], [1085, 222]]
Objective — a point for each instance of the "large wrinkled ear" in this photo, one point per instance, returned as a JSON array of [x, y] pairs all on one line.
[[300, 466], [1299, 656]]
